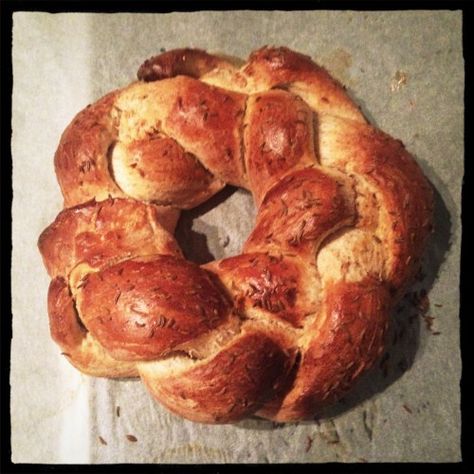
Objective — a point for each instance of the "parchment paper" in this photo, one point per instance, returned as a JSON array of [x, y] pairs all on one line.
[[406, 70]]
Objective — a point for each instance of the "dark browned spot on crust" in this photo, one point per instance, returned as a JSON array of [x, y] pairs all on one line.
[[190, 62], [283, 63]]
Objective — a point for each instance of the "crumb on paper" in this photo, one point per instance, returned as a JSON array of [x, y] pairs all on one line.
[[329, 433], [398, 81], [428, 321], [423, 302]]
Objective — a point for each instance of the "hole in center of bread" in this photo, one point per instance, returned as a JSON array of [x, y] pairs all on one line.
[[217, 228]]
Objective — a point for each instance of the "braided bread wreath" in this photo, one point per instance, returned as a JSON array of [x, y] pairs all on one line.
[[285, 328]]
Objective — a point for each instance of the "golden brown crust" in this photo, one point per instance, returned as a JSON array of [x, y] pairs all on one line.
[[285, 328], [344, 345], [279, 286], [81, 160], [278, 138], [403, 195], [300, 210], [142, 310], [230, 386], [158, 169], [77, 344], [281, 67], [96, 233], [208, 121]]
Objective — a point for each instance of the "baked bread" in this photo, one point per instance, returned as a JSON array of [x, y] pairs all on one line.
[[279, 331]]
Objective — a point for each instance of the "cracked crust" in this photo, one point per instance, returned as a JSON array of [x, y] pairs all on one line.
[[285, 328]]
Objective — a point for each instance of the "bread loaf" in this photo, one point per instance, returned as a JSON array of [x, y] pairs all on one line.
[[286, 327]]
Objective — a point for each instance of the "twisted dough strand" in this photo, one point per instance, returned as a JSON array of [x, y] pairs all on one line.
[[286, 327]]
